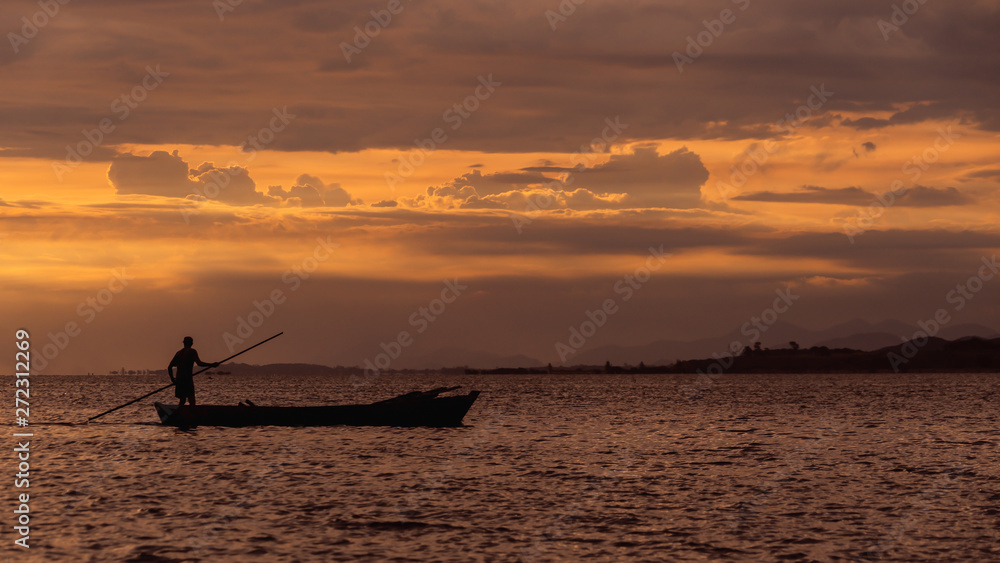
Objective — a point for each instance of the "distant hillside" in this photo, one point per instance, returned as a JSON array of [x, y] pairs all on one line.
[[867, 341], [857, 334], [876, 340], [934, 355]]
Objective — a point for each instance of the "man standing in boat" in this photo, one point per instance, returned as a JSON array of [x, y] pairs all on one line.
[[184, 360]]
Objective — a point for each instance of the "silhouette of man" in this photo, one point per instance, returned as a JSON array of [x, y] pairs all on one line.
[[184, 360]]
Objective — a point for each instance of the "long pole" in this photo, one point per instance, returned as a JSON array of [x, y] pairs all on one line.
[[192, 375]]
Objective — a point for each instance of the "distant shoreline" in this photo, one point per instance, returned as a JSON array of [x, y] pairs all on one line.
[[932, 355]]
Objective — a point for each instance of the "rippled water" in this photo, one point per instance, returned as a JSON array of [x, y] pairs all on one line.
[[846, 467]]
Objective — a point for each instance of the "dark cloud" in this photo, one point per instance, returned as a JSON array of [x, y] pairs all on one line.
[[27, 203], [642, 178], [916, 196], [650, 179], [515, 178], [495, 183], [167, 175], [866, 148], [160, 173], [916, 114], [923, 196], [548, 168], [988, 173], [812, 194], [866, 123], [557, 87], [890, 251], [581, 237]]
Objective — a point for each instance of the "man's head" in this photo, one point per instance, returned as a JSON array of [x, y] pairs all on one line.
[[188, 341]]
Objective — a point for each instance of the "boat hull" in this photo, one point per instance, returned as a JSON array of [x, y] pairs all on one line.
[[400, 411]]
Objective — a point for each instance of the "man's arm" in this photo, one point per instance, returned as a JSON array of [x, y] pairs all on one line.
[[170, 368], [204, 364]]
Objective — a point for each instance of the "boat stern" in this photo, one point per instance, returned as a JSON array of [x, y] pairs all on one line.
[[164, 411]]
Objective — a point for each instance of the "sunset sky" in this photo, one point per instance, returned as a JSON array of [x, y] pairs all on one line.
[[166, 164]]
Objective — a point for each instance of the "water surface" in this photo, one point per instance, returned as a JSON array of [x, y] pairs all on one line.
[[761, 467]]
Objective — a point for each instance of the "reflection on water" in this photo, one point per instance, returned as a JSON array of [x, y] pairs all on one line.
[[848, 467]]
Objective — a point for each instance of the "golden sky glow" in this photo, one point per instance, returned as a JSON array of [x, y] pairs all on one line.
[[557, 162]]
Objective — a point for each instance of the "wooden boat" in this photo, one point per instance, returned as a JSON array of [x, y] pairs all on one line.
[[425, 408]]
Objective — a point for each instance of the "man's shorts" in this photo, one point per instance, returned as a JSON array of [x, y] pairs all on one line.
[[184, 388]]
